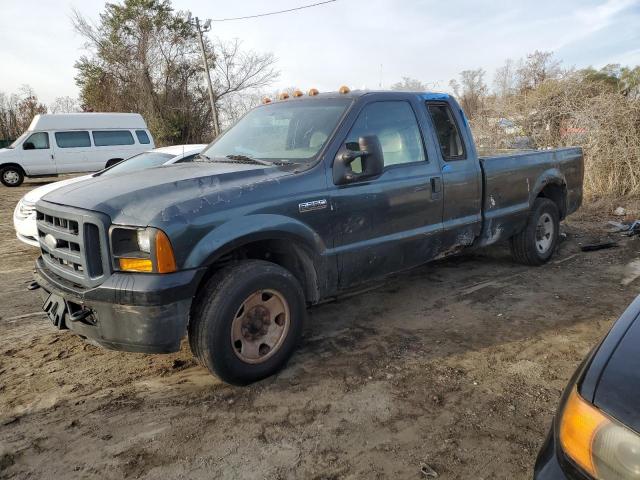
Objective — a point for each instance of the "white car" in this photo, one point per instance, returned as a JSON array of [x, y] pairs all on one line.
[[24, 215], [73, 143]]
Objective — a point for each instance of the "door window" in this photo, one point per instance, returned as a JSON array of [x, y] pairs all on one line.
[[72, 139], [143, 137], [447, 131], [37, 141], [395, 125], [112, 137]]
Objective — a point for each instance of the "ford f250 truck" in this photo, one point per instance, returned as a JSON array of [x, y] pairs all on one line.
[[300, 200]]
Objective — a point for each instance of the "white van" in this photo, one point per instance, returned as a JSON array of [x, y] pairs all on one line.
[[73, 143]]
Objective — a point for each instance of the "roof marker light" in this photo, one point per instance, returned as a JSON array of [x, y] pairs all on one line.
[[283, 96], [344, 89], [297, 93], [313, 92], [266, 100]]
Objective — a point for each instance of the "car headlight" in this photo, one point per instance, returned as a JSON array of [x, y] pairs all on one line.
[[142, 250], [602, 446]]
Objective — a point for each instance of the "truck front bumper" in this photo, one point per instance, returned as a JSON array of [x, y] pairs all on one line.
[[134, 312]]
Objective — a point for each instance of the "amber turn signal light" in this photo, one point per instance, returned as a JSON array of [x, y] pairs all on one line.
[[578, 428], [165, 260], [135, 264]]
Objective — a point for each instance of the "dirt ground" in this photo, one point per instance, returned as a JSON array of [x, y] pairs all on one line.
[[457, 365]]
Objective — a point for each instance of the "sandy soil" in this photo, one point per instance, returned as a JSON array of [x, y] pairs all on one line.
[[457, 365]]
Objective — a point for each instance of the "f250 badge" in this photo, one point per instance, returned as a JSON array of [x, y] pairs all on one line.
[[312, 205]]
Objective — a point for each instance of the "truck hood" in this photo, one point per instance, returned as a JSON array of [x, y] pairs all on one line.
[[154, 196]]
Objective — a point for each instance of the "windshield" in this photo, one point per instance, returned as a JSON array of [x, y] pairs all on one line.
[[17, 141], [292, 130], [139, 162]]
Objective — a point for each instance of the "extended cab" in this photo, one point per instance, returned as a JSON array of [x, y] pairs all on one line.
[[300, 200]]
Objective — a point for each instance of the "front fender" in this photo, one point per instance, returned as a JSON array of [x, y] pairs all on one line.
[[251, 228]]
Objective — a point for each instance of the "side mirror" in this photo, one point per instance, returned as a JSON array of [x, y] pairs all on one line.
[[28, 146], [370, 154]]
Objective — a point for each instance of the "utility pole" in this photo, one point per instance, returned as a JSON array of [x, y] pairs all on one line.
[[214, 110]]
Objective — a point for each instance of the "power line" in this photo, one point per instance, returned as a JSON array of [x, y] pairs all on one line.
[[273, 13]]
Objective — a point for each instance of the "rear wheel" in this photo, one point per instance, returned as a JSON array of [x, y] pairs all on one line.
[[12, 176], [247, 321], [535, 244]]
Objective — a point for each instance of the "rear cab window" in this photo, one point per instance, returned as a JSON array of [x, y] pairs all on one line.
[[73, 139], [106, 138], [143, 137], [447, 131]]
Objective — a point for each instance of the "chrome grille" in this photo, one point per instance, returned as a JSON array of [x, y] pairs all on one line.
[[71, 244]]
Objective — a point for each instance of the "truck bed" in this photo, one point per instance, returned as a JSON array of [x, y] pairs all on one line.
[[512, 181]]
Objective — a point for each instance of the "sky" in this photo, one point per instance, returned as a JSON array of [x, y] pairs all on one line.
[[360, 43]]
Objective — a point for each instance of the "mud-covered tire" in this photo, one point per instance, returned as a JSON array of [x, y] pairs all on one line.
[[11, 176], [218, 305], [531, 246]]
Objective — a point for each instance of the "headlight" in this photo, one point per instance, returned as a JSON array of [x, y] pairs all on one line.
[[24, 209], [142, 250], [603, 447]]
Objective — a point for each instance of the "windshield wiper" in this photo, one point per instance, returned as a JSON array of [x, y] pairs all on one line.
[[247, 159], [232, 158]]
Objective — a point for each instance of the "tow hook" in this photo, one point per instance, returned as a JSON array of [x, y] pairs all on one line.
[[33, 286], [80, 315]]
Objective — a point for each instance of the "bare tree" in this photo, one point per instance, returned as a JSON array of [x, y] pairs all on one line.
[[143, 56], [504, 80], [17, 111], [536, 68], [64, 105], [470, 91], [241, 71], [408, 84]]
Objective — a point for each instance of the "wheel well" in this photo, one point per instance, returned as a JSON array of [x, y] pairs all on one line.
[[113, 161], [292, 255], [19, 167], [557, 194]]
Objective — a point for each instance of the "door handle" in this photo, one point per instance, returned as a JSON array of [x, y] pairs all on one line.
[[436, 184], [52, 157]]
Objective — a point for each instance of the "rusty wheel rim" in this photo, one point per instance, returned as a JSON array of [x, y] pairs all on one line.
[[260, 326]]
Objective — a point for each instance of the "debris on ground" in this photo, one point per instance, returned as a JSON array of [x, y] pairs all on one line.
[[626, 228], [592, 247], [427, 471], [620, 212]]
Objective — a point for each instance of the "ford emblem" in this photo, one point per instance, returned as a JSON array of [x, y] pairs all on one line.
[[50, 241]]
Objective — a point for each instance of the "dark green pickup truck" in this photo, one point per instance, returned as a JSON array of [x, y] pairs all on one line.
[[301, 200]]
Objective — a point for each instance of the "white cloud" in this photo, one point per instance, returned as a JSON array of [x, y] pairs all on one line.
[[347, 41]]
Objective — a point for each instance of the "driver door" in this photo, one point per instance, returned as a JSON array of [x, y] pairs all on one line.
[[394, 221], [37, 154]]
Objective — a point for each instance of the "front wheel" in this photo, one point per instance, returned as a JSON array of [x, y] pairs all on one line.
[[11, 176], [247, 321], [535, 244]]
